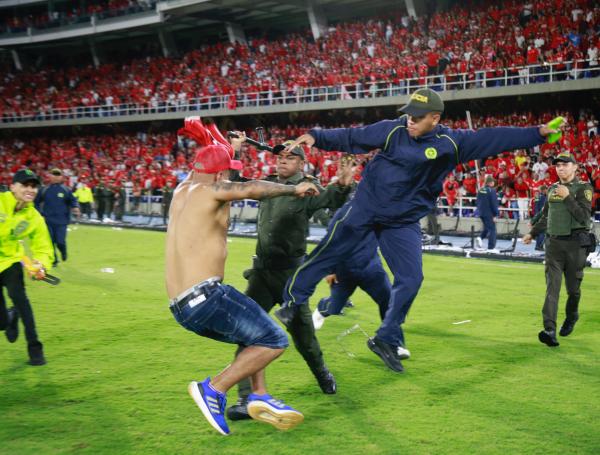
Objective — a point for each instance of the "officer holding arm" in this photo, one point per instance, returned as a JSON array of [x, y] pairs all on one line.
[[283, 224], [20, 222], [565, 219]]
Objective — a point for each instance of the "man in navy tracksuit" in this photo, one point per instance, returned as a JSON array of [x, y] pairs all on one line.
[[55, 203], [399, 187], [538, 204], [362, 268], [487, 207]]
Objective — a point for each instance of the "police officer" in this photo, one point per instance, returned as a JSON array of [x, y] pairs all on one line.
[[55, 202], [280, 249], [21, 222], [566, 220], [398, 188], [167, 197], [539, 200], [119, 196], [487, 207]]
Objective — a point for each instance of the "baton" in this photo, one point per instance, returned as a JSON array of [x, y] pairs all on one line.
[[258, 144], [30, 266]]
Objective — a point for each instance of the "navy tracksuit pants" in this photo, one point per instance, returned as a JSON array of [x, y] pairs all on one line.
[[489, 231], [58, 234], [373, 280], [400, 246]]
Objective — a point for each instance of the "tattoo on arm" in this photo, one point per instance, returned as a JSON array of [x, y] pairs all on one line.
[[254, 189]]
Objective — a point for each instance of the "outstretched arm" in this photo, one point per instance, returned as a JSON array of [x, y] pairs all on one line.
[[473, 145], [259, 189]]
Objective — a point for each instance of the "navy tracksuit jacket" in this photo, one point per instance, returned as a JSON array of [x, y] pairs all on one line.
[[487, 207], [399, 187], [55, 202]]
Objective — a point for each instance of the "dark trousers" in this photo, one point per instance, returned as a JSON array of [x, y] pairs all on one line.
[[400, 246], [265, 287], [489, 231], [568, 258], [12, 280], [373, 280], [86, 209], [100, 209], [58, 234]]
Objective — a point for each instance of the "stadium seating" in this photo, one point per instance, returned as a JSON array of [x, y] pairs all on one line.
[[150, 161], [475, 44]]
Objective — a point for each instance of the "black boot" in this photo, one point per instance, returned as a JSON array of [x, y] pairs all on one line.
[[568, 326], [326, 380], [548, 337], [12, 328], [36, 354], [239, 411]]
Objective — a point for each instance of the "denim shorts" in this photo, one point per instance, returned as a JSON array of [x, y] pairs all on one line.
[[229, 316]]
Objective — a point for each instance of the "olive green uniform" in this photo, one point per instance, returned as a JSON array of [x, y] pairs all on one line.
[[566, 223], [280, 249]]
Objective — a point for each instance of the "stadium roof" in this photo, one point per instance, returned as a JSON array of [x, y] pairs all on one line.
[[197, 17]]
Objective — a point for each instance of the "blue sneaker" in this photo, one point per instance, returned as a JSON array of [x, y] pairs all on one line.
[[270, 410], [211, 403]]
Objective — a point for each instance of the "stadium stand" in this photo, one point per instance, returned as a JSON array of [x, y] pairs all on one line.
[[473, 45], [149, 162]]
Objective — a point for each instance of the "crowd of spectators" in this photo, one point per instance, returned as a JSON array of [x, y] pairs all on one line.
[[68, 13], [151, 163], [474, 44]]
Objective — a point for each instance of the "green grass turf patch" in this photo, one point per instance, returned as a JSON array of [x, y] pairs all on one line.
[[118, 366]]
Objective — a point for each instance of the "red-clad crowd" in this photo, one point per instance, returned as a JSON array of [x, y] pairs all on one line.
[[61, 14], [146, 162], [471, 42]]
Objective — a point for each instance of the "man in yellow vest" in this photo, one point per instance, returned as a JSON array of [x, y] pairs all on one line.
[[21, 223], [85, 197]]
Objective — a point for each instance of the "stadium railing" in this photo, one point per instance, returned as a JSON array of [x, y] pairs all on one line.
[[533, 74]]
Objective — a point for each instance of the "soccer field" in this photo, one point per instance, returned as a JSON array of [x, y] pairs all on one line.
[[119, 365]]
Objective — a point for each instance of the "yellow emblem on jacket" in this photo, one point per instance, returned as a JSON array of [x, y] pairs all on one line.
[[431, 153]]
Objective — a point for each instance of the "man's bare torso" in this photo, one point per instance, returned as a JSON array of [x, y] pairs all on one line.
[[196, 237]]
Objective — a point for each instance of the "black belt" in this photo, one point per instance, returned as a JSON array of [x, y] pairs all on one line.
[[195, 295], [572, 236], [273, 263]]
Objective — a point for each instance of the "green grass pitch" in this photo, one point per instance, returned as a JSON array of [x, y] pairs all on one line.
[[118, 366]]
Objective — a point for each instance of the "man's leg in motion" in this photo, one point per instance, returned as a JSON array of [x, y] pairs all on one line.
[[401, 248], [345, 231]]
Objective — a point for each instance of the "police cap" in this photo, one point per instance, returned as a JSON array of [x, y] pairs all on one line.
[[422, 102]]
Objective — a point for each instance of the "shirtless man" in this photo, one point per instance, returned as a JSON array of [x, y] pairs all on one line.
[[195, 265]]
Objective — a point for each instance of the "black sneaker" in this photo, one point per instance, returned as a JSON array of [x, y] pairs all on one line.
[[548, 337], [12, 327], [567, 327], [287, 313], [239, 411], [36, 355], [387, 352], [326, 380]]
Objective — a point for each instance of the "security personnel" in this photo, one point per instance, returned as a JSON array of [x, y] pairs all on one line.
[[566, 220], [539, 200], [167, 197], [99, 194], [398, 188], [20, 222], [85, 198], [55, 202], [280, 249], [487, 207], [120, 197]]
